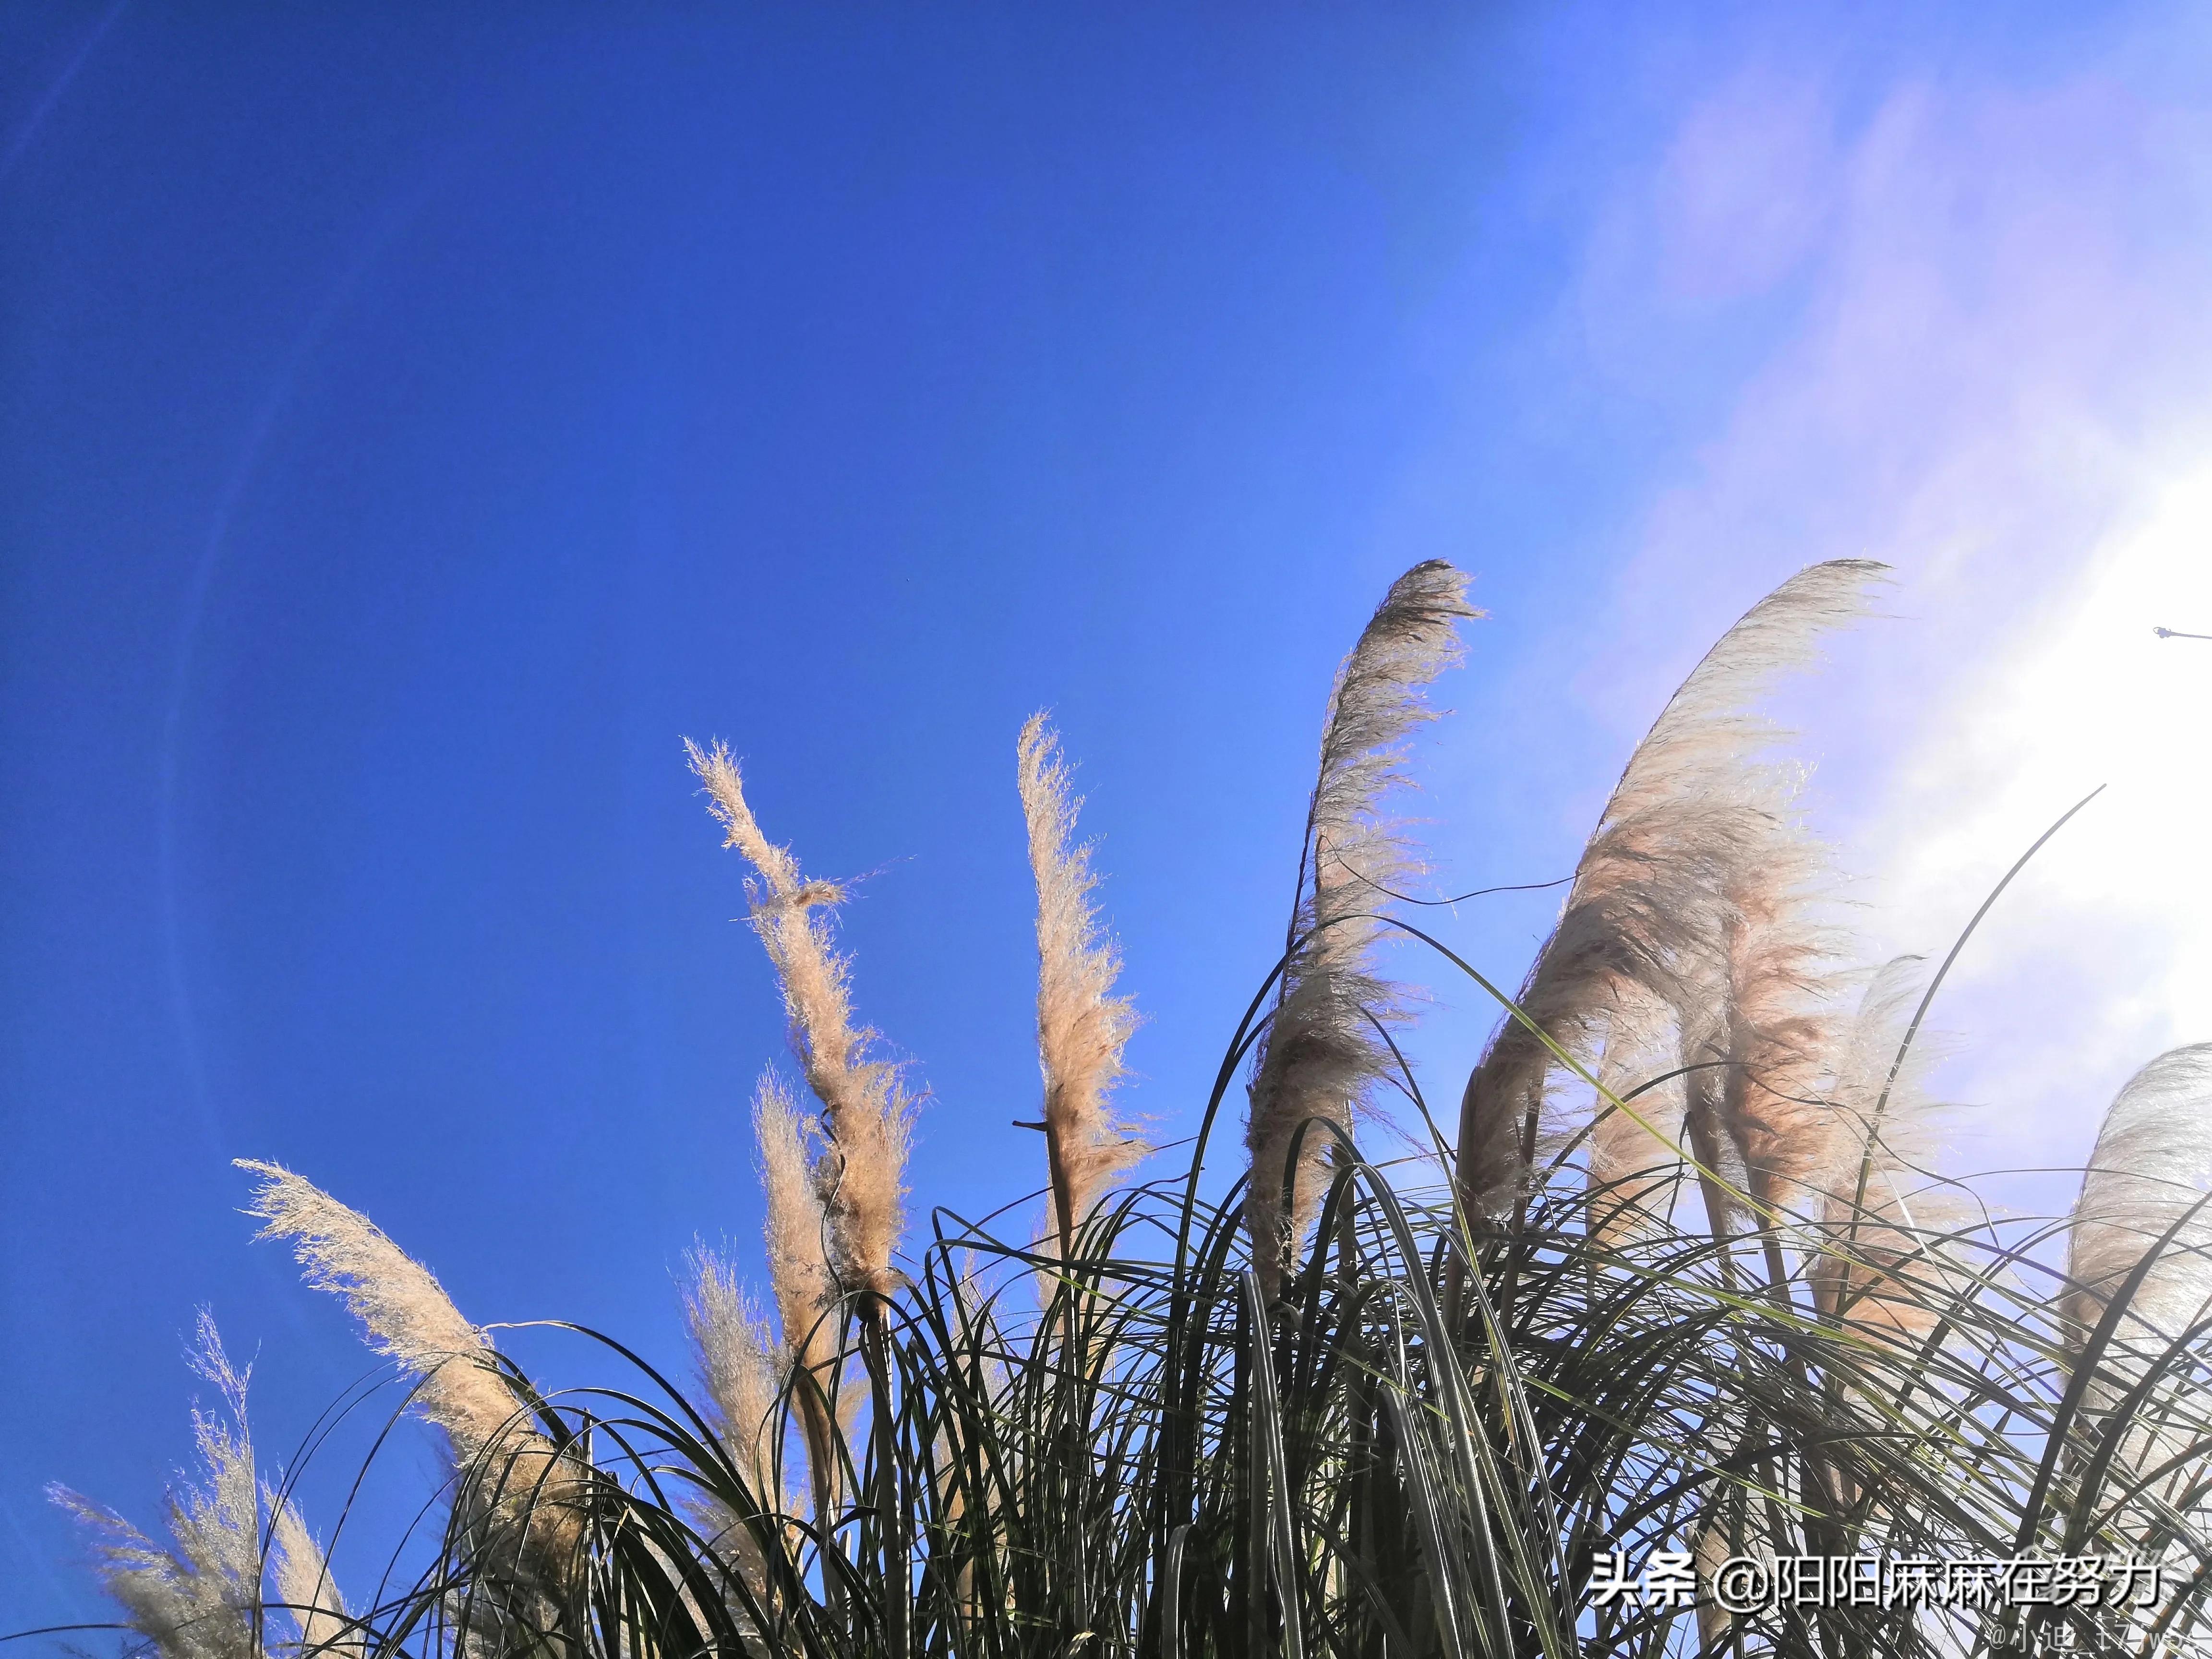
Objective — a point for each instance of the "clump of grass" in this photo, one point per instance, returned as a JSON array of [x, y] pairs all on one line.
[[1692, 1283]]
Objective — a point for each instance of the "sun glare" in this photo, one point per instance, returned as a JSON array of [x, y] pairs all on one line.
[[2098, 957]]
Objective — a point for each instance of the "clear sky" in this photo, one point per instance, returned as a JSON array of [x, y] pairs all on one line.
[[413, 423]]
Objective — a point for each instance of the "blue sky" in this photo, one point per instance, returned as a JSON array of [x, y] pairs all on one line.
[[411, 425]]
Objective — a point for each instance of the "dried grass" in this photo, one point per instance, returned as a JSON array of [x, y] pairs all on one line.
[[1695, 836], [866, 1115], [741, 1368], [1878, 1199], [1323, 1048], [2150, 1170], [201, 1597], [305, 1588], [521, 1494], [1082, 1026]]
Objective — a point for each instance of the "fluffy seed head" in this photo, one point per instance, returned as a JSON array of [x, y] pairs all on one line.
[[201, 1597], [799, 1272], [523, 1495], [1323, 1050], [2151, 1170], [796, 1228], [866, 1115], [1776, 1027], [1887, 1271], [741, 1366], [1082, 1026], [305, 1586], [2152, 1166], [738, 1362], [405, 1312], [1634, 1173], [1696, 829]]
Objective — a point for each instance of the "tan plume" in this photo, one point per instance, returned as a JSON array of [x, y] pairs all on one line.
[[865, 1113], [1778, 1024], [1694, 822], [1082, 1026], [305, 1586], [2152, 1167], [200, 1598], [406, 1313], [1758, 1023], [741, 1366], [1884, 1215], [1634, 1173], [795, 1228], [516, 1484], [800, 1275], [1323, 1050]]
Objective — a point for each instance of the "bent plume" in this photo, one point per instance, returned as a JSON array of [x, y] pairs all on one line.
[[1324, 1048], [1692, 816]]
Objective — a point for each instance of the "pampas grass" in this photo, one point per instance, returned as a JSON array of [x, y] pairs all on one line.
[[1694, 837], [200, 1597], [519, 1498], [1735, 1307], [796, 1233], [2139, 1300], [1082, 1026], [404, 1312], [2143, 1203], [305, 1588], [1635, 1169], [865, 1113], [1867, 1163], [1324, 1047], [742, 1369]]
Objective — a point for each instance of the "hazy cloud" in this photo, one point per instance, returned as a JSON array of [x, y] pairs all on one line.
[[1995, 373]]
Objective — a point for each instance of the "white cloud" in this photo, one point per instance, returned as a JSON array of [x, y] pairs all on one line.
[[2101, 955], [2000, 381], [1745, 190]]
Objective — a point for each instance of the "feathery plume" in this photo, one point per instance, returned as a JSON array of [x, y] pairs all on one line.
[[200, 1598], [1777, 1024], [1758, 1026], [519, 1489], [1633, 1173], [1321, 1050], [1692, 823], [741, 1366], [304, 1585], [408, 1316], [865, 1113], [1884, 1212], [1082, 1026], [799, 1274], [2152, 1166], [795, 1228]]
